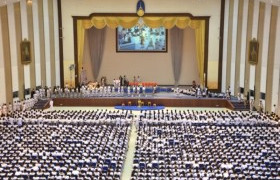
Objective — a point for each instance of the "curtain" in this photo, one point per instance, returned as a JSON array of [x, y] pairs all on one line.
[[167, 22], [176, 52], [96, 41], [81, 37], [200, 39], [128, 22], [86, 61]]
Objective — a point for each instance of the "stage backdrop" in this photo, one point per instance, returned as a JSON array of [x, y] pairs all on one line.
[[197, 8], [151, 67]]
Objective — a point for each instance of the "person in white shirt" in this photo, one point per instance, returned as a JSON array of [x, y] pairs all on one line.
[[122, 89], [138, 90], [23, 107], [134, 90], [15, 106], [10, 108], [239, 97], [198, 92], [19, 122], [51, 104], [138, 80], [177, 91], [128, 90], [154, 89], [83, 77], [261, 106], [229, 92], [252, 105], [48, 93], [5, 110]]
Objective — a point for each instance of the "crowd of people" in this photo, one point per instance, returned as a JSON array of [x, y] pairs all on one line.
[[123, 81], [170, 144], [165, 151], [103, 91], [178, 144], [61, 152], [17, 106], [206, 117], [99, 116]]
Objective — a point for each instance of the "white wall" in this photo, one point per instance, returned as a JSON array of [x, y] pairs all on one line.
[[271, 90], [12, 48]]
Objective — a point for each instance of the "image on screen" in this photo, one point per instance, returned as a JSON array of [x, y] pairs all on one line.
[[144, 39]]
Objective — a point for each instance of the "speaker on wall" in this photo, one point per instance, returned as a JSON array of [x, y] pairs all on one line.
[[252, 93], [241, 90], [262, 96]]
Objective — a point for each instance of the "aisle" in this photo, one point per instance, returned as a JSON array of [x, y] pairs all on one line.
[[128, 164]]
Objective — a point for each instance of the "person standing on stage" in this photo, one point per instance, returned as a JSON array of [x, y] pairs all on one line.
[[114, 83], [138, 80], [134, 80], [83, 77], [128, 90], [121, 80], [125, 82], [154, 90], [134, 90]]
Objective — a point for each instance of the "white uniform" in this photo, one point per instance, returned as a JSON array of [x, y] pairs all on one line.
[[83, 77], [251, 105], [10, 108], [51, 104], [128, 90], [5, 110], [48, 93], [23, 107]]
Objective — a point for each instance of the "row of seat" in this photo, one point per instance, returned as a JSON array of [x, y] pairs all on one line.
[[198, 151], [58, 151], [170, 144], [207, 117]]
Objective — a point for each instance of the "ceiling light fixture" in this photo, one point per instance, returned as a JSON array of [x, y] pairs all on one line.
[[29, 2]]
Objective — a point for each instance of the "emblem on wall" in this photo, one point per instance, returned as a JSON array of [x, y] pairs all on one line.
[[140, 8]]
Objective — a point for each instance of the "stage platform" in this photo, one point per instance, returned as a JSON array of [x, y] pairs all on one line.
[[160, 99]]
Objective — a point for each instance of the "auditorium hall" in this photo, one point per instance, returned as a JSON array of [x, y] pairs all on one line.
[[139, 89]]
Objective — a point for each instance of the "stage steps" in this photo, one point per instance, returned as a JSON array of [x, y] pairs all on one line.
[[239, 106], [41, 104]]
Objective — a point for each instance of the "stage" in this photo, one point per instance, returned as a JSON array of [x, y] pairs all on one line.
[[167, 99]]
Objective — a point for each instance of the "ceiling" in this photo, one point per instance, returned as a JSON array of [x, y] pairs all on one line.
[[274, 2]]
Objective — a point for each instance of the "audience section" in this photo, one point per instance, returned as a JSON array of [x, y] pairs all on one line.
[[62, 149], [206, 145]]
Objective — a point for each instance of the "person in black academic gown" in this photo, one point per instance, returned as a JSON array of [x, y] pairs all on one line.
[[121, 80]]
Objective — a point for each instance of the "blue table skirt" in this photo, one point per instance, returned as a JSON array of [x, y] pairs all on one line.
[[136, 108]]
